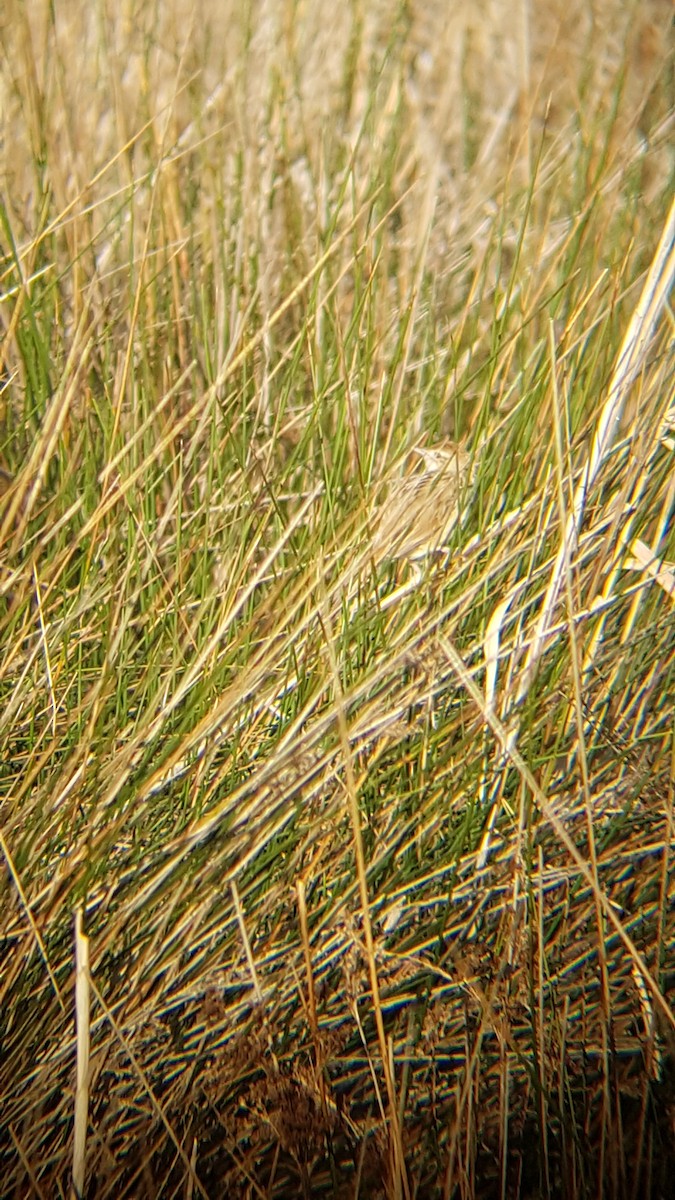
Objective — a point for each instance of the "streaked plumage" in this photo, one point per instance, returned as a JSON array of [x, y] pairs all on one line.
[[420, 510]]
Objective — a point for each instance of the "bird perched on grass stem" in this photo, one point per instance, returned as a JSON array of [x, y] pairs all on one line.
[[421, 510]]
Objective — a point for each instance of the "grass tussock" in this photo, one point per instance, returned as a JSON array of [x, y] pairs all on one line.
[[325, 872]]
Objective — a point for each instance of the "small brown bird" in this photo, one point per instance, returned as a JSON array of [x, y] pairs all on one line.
[[421, 510]]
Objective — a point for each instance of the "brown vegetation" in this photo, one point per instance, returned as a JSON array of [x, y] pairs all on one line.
[[375, 859]]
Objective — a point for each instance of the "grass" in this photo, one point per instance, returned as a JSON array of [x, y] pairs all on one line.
[[364, 874]]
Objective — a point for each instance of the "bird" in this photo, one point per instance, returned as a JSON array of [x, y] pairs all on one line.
[[420, 510]]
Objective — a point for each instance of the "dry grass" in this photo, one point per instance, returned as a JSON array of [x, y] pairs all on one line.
[[373, 865]]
